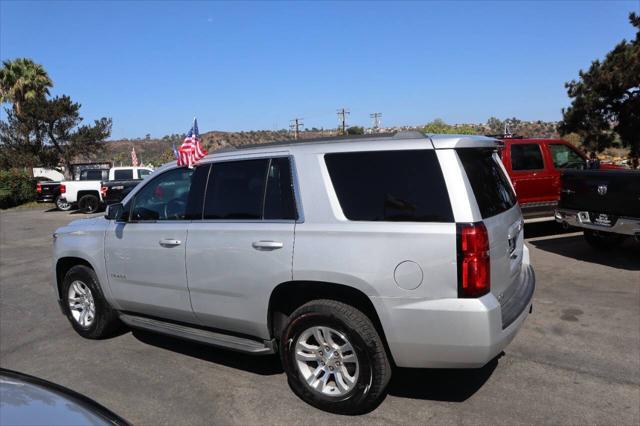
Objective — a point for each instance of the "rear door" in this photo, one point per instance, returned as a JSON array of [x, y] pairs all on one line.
[[501, 215], [243, 245], [532, 179]]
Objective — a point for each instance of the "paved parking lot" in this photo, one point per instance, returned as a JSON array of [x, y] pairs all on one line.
[[576, 361]]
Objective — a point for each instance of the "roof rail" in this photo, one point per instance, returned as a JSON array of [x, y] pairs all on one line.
[[409, 134], [505, 136]]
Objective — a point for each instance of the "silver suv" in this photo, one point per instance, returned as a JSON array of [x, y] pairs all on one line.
[[345, 256]]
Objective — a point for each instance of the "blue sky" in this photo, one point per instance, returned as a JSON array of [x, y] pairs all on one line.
[[152, 66]]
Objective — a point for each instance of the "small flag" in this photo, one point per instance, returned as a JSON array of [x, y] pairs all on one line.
[[175, 151], [134, 157], [191, 151]]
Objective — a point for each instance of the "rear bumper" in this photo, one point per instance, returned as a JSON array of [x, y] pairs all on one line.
[[624, 225], [48, 198], [455, 333]]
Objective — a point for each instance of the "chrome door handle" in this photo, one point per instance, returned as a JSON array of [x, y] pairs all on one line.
[[267, 245], [168, 242]]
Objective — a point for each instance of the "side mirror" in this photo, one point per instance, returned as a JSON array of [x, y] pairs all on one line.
[[114, 211]]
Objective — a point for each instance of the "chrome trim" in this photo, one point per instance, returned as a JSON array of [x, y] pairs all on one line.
[[624, 225]]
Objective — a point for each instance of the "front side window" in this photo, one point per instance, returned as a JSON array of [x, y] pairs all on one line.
[[565, 157], [526, 157], [165, 197], [123, 174], [394, 186]]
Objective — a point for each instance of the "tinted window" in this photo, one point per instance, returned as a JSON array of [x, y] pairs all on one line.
[[279, 201], [490, 186], [565, 157], [91, 175], [142, 173], [123, 174], [526, 157], [390, 186], [165, 197], [236, 190]]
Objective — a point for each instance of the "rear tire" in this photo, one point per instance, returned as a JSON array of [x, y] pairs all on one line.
[[85, 306], [345, 369], [602, 240], [89, 203], [63, 205]]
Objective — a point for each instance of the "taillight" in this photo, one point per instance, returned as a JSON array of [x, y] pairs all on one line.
[[39, 188], [63, 189], [103, 191], [474, 267]]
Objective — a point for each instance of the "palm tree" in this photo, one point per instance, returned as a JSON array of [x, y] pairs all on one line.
[[23, 80]]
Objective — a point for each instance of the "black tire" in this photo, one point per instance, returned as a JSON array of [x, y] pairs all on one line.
[[65, 207], [374, 367], [602, 240], [105, 323], [89, 203]]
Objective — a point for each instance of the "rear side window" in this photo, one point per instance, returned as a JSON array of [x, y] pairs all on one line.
[[92, 175], [526, 157], [236, 190], [278, 200], [123, 174], [394, 186], [491, 187]]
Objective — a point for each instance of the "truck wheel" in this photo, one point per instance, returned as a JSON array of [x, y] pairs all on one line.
[[334, 357], [89, 203], [63, 205], [85, 306], [602, 240]]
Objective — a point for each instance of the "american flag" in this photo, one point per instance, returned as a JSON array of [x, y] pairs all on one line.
[[134, 157], [191, 151]]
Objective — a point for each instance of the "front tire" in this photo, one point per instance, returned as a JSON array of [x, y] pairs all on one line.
[[89, 203], [602, 240], [85, 306], [334, 357]]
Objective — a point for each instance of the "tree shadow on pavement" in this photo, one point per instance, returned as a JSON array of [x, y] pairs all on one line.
[[626, 256], [265, 365], [452, 385]]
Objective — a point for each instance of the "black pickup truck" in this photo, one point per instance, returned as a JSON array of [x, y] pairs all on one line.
[[115, 191], [604, 203]]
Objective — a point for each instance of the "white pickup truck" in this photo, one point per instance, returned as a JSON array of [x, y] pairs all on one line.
[[85, 193]]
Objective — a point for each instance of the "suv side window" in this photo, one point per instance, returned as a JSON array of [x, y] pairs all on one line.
[[123, 174], [279, 201], [142, 173], [236, 190], [395, 186], [565, 157], [526, 157], [165, 197]]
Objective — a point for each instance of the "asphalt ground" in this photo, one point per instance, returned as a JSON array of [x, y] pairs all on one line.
[[576, 360]]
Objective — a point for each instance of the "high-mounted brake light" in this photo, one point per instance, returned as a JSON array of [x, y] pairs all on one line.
[[63, 189], [39, 188], [474, 263]]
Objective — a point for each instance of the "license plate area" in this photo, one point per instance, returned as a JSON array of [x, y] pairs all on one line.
[[602, 219]]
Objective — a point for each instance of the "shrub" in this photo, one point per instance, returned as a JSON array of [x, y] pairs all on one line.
[[16, 187]]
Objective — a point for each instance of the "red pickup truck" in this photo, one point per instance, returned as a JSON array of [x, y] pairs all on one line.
[[535, 167]]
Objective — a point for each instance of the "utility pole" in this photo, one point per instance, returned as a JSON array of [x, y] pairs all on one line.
[[342, 119], [295, 125], [376, 120]]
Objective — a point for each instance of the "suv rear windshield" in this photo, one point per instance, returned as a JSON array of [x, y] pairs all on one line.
[[395, 186], [491, 187]]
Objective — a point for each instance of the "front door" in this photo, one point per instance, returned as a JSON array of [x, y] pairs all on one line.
[[145, 254], [243, 247]]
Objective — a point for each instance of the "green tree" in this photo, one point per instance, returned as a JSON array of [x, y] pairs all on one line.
[[606, 98], [355, 130], [23, 80], [49, 132]]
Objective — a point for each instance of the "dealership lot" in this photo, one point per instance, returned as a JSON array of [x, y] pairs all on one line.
[[577, 359]]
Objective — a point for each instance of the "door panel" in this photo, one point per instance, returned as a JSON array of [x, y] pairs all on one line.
[[146, 267], [232, 269], [531, 174]]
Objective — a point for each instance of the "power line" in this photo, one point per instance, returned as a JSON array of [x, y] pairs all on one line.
[[376, 120], [295, 125], [342, 119]]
